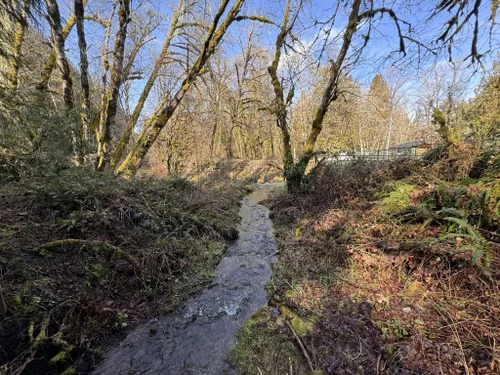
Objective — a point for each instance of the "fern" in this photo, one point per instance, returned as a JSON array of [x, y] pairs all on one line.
[[450, 212], [397, 199], [484, 218], [478, 246]]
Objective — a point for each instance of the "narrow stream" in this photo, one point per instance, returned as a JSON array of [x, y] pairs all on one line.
[[197, 338]]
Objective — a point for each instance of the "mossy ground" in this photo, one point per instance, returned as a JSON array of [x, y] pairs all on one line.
[[84, 256], [265, 347], [385, 281]]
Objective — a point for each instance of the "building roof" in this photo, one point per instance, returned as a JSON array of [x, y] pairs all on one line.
[[410, 144]]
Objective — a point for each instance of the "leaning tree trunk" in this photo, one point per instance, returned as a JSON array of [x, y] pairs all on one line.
[[154, 126], [108, 111], [296, 177], [58, 41], [54, 18], [132, 122], [84, 78], [17, 43], [50, 61]]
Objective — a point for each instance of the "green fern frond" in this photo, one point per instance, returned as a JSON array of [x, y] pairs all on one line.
[[479, 247], [450, 212]]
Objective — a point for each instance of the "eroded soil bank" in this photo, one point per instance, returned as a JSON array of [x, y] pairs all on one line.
[[87, 256], [197, 338]]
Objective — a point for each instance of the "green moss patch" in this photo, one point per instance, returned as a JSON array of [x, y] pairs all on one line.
[[265, 346]]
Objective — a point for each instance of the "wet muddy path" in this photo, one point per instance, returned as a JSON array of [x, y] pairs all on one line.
[[197, 338]]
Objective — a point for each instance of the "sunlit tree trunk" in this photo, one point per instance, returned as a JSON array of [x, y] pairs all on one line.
[[132, 122], [216, 125], [295, 172], [108, 111], [280, 103], [84, 67], [54, 18], [50, 61], [153, 127], [17, 43], [104, 77], [389, 130], [331, 94]]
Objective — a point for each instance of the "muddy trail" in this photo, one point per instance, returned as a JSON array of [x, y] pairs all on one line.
[[197, 338]]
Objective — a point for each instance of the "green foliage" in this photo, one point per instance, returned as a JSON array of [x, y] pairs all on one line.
[[493, 166], [475, 243], [36, 127], [435, 153], [396, 196], [263, 345], [483, 113], [60, 357], [393, 330], [491, 204], [449, 134]]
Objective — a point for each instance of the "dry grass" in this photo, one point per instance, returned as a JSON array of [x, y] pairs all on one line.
[[266, 170], [386, 295]]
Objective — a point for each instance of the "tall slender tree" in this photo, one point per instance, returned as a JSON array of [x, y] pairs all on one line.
[[84, 78], [50, 61], [20, 27], [295, 171], [159, 63], [167, 109], [110, 106]]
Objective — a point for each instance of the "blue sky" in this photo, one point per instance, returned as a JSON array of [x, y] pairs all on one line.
[[384, 38]]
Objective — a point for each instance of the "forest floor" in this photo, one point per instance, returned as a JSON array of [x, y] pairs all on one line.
[[85, 256], [382, 270]]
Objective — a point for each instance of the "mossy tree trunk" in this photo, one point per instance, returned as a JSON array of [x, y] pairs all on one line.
[[295, 170], [330, 94], [17, 44], [160, 62], [50, 61], [110, 107], [280, 104], [156, 123], [58, 39], [84, 77], [94, 127]]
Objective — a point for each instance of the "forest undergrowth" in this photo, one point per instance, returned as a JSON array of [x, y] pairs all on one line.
[[85, 256], [384, 269]]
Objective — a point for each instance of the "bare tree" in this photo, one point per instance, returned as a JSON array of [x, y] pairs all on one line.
[[50, 61], [54, 18], [157, 122], [160, 61], [462, 14], [110, 104], [295, 171], [84, 77], [280, 102]]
